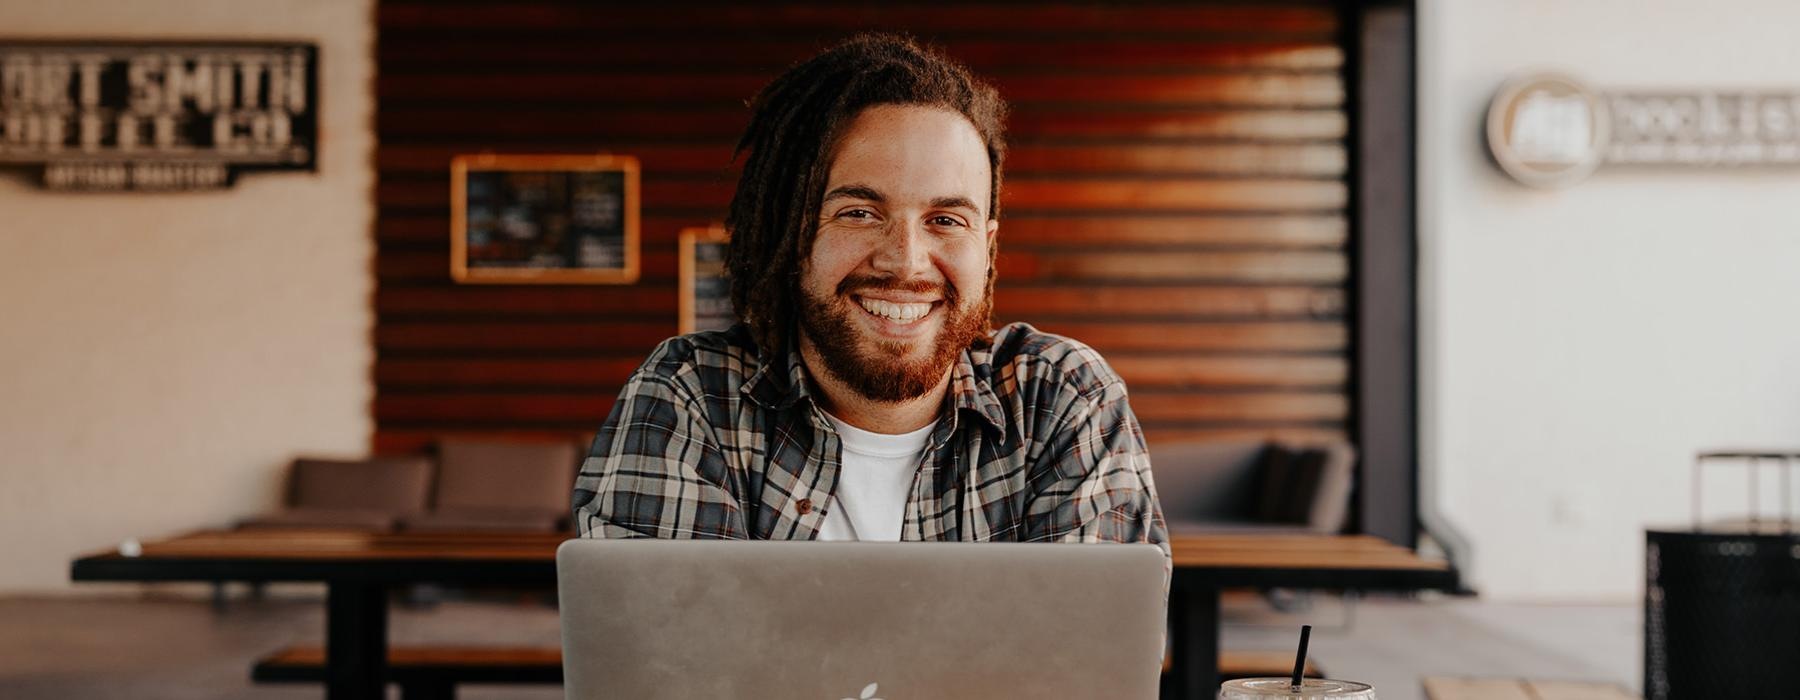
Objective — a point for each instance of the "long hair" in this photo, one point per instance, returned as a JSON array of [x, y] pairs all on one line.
[[795, 124]]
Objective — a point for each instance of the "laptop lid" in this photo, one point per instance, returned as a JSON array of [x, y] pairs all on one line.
[[860, 620]]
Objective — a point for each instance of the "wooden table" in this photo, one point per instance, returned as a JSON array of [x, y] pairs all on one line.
[[1204, 564], [359, 570]]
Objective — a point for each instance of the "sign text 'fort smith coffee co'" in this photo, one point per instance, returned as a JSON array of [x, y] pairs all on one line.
[[158, 115]]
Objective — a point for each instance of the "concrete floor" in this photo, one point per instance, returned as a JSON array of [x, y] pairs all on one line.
[[162, 646], [1393, 644]]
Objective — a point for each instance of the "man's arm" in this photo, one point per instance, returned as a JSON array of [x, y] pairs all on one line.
[[1092, 483], [656, 471]]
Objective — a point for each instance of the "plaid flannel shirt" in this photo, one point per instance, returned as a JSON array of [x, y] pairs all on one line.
[[707, 441]]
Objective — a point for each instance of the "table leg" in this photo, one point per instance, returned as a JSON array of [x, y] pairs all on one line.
[[356, 619], [428, 690], [1193, 644]]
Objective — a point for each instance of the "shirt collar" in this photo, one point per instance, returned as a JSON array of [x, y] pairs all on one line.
[[971, 384], [774, 389], [972, 387]]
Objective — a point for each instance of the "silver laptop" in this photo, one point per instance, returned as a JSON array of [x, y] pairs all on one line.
[[859, 621]]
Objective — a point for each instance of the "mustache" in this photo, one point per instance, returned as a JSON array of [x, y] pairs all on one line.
[[860, 283]]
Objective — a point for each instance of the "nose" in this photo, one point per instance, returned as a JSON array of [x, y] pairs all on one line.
[[906, 251]]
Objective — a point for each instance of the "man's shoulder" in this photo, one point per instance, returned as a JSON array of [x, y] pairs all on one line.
[[705, 361], [1030, 355]]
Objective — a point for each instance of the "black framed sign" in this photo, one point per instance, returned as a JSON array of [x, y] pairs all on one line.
[[544, 219], [163, 115], [705, 286]]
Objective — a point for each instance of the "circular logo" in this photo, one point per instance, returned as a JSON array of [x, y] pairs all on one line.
[[1547, 130]]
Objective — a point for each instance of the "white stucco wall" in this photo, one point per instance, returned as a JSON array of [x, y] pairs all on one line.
[[164, 355], [1579, 345]]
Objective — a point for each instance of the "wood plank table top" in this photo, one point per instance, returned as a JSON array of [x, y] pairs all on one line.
[[340, 545], [1297, 551], [1224, 559]]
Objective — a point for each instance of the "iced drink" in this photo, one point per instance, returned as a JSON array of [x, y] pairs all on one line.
[[1269, 688]]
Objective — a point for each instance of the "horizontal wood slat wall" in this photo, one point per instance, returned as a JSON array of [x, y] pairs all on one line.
[[1175, 195]]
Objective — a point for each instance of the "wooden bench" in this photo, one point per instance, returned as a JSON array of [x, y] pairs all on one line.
[[432, 672], [1449, 688], [425, 672]]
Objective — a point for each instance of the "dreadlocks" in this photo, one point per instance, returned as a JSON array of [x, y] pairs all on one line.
[[795, 124]]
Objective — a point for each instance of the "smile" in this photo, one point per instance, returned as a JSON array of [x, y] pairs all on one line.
[[902, 313]]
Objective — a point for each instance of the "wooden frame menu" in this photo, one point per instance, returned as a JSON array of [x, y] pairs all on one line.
[[705, 284], [544, 219]]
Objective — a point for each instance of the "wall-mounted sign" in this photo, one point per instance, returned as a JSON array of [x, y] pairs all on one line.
[[544, 219], [705, 283], [1547, 130], [103, 115]]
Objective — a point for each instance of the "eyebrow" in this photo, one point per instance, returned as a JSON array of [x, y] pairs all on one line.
[[857, 191], [955, 203]]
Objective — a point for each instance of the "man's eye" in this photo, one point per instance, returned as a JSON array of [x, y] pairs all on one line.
[[946, 221], [857, 214]]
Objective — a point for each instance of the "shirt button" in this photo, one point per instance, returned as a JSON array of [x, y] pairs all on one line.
[[804, 506]]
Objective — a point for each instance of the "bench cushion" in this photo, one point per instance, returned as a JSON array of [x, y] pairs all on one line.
[[486, 475], [485, 520], [1207, 481], [1234, 527], [1290, 483], [329, 518], [1255, 486], [394, 485]]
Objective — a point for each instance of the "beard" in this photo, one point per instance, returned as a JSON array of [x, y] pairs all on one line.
[[881, 370]]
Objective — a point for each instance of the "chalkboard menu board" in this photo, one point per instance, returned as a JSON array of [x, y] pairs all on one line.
[[544, 219], [705, 286]]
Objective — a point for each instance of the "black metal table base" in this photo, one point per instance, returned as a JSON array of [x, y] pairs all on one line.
[[1193, 644], [356, 622]]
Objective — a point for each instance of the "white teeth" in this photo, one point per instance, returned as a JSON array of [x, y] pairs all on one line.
[[898, 312]]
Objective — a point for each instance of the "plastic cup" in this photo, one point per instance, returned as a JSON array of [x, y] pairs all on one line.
[[1266, 688]]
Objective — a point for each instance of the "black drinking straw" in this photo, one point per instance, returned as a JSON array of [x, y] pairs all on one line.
[[1300, 656]]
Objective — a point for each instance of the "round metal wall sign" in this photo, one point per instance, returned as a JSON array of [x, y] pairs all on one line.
[[1547, 130]]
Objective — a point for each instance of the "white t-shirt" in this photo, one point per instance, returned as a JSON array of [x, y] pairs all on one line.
[[874, 477]]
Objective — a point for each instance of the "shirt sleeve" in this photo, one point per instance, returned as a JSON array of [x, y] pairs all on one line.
[[655, 470], [1092, 483]]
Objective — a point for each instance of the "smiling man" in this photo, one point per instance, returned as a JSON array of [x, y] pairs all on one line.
[[863, 395]]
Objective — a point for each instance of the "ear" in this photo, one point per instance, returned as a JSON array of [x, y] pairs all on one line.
[[993, 251]]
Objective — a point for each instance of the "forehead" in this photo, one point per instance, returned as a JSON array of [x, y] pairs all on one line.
[[912, 151]]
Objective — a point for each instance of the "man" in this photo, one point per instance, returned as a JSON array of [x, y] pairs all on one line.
[[862, 396]]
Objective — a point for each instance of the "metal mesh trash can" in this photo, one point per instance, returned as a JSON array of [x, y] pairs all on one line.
[[1721, 616], [1722, 608]]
